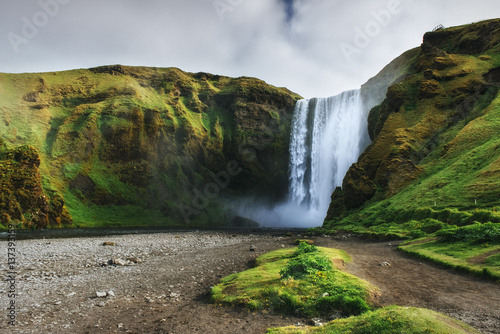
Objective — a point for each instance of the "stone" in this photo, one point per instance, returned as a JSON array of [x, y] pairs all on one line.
[[335, 316], [110, 293], [253, 248], [316, 322], [119, 262], [326, 294], [134, 259], [384, 264], [101, 294], [108, 243]]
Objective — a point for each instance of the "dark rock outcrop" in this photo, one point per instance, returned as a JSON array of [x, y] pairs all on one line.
[[22, 198]]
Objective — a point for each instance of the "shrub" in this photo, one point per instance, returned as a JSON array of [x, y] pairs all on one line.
[[304, 248], [416, 234], [305, 264]]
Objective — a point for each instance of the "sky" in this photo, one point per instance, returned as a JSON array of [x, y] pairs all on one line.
[[315, 48]]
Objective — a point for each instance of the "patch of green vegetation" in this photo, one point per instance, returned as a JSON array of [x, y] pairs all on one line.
[[305, 261], [291, 281], [388, 320], [71, 170], [476, 233], [93, 216], [469, 256]]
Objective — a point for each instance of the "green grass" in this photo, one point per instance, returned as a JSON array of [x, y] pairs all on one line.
[[388, 320], [481, 259], [92, 216], [319, 292]]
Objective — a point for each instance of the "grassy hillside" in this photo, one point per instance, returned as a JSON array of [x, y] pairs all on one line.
[[434, 162], [149, 146]]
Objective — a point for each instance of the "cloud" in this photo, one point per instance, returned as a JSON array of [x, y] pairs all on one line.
[[296, 44]]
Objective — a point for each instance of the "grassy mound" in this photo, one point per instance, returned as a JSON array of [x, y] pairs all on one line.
[[388, 320], [305, 280]]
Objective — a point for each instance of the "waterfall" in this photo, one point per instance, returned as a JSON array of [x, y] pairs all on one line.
[[326, 139]]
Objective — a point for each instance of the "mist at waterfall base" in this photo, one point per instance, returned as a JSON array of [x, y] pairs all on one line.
[[327, 137]]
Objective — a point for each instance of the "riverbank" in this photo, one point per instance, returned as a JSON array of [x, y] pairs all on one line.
[[159, 283]]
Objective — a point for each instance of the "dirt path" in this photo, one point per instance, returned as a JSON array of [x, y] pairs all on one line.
[[167, 293], [414, 282]]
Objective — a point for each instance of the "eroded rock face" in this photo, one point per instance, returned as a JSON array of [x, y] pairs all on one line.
[[357, 187], [22, 197], [429, 89]]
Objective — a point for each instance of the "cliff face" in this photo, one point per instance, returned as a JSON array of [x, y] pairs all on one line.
[[434, 137], [22, 197], [130, 146]]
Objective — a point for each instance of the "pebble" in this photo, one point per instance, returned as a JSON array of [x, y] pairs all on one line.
[[71, 268], [119, 262], [101, 294]]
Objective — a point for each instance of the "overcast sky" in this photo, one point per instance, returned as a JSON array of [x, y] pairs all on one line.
[[313, 47]]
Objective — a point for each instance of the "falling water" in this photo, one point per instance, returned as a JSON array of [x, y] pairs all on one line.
[[326, 140], [328, 135]]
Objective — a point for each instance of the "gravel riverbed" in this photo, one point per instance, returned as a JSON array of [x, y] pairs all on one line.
[[160, 283]]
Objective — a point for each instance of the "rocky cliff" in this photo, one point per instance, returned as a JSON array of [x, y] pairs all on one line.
[[121, 145], [434, 137]]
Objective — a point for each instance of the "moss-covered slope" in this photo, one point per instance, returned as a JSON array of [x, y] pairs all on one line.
[[149, 146], [436, 151]]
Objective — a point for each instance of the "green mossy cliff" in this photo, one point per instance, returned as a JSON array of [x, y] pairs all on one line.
[[435, 150], [119, 145]]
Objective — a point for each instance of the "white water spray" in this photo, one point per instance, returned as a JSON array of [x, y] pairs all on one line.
[[327, 137]]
